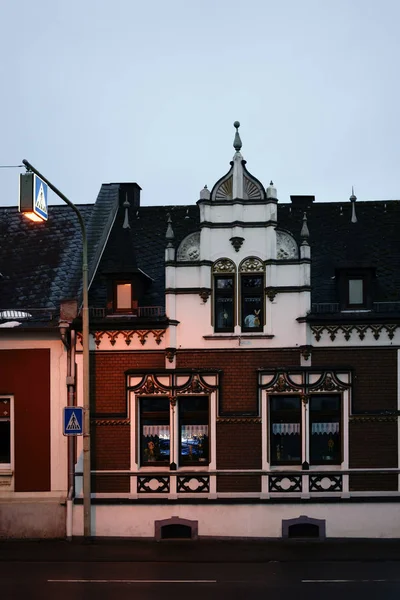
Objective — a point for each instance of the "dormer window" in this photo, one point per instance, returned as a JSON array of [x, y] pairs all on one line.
[[123, 301], [356, 292], [355, 288]]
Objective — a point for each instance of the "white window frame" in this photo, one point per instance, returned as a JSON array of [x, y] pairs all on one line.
[[136, 465], [305, 439]]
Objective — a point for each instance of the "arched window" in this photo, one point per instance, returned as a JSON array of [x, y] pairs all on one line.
[[224, 284], [252, 295]]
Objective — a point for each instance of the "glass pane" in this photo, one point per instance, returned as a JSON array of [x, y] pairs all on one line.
[[225, 283], [124, 295], [224, 312], [285, 429], [155, 430], [194, 433], [252, 311], [356, 291], [325, 441], [252, 282], [5, 441]]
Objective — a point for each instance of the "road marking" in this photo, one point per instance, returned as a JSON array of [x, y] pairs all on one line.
[[348, 580], [131, 581]]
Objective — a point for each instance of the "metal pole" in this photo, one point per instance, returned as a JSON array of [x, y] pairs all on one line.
[[87, 529]]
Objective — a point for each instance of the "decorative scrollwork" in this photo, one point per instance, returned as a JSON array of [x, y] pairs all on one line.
[[224, 265], [283, 384], [251, 265], [286, 246], [193, 484], [285, 483], [325, 483], [189, 249], [225, 190], [362, 330], [152, 485]]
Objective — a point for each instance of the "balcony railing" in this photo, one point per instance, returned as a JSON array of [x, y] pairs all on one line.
[[146, 312], [334, 307]]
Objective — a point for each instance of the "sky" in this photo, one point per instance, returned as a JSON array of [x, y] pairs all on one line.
[[97, 91]]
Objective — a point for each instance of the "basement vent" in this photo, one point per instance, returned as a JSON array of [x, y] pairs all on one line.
[[304, 528], [175, 528], [174, 532]]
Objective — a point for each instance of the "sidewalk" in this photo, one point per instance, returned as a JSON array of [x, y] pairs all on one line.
[[112, 550]]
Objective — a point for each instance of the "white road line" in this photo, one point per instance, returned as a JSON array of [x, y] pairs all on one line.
[[348, 580], [131, 581]]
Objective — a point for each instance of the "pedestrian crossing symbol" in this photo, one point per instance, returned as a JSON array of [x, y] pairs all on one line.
[[73, 420], [40, 198]]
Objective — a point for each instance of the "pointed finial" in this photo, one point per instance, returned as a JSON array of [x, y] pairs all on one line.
[[304, 234], [126, 206], [137, 214], [353, 199], [237, 142], [205, 193], [271, 191], [169, 236], [187, 214]]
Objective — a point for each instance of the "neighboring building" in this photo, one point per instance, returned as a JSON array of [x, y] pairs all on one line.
[[244, 364]]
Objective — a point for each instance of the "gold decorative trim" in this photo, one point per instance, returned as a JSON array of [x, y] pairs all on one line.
[[120, 422], [373, 418], [233, 420]]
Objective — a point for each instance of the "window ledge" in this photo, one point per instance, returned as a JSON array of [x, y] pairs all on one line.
[[231, 336]]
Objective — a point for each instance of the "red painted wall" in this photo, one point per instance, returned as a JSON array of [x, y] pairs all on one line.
[[26, 375]]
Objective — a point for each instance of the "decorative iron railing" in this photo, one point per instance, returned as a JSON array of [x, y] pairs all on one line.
[[334, 307], [147, 312]]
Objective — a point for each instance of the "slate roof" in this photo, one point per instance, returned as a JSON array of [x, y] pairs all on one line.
[[373, 241], [40, 264]]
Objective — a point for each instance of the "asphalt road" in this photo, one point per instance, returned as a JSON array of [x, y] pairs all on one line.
[[151, 580]]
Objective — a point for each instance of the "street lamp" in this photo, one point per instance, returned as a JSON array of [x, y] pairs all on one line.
[[34, 213]]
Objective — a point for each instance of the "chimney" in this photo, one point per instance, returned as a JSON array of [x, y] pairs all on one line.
[[302, 202], [130, 192]]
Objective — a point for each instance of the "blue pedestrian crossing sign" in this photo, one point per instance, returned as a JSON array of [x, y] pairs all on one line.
[[73, 420], [40, 198]]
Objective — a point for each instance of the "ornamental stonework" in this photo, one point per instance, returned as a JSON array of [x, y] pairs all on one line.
[[286, 246], [189, 249], [252, 265], [361, 330], [224, 265]]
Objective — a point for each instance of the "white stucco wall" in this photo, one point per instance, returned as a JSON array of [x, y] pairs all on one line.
[[343, 520]]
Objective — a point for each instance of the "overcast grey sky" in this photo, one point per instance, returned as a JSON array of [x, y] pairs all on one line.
[[97, 91]]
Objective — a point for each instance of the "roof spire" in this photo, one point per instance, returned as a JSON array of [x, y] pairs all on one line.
[[169, 236], [353, 199], [304, 234], [126, 206], [237, 142]]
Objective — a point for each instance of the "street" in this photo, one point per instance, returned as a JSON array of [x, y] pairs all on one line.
[[242, 575]]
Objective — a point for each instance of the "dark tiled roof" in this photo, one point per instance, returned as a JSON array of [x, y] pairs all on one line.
[[146, 240], [41, 263], [373, 241]]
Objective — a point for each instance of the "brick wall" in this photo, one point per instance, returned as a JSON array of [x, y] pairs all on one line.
[[109, 381], [239, 390], [375, 374]]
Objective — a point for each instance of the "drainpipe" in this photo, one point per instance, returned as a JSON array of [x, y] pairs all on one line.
[[70, 345], [69, 513]]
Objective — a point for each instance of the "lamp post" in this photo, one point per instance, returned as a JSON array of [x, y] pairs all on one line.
[[85, 342]]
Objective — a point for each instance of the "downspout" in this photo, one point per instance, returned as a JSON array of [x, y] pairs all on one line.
[[70, 346]]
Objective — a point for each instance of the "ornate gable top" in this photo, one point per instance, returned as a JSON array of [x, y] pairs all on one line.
[[238, 182]]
